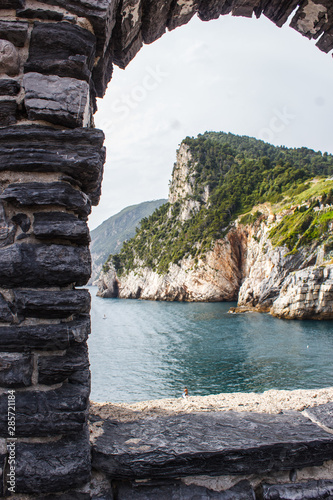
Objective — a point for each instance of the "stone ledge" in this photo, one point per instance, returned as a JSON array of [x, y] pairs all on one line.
[[209, 444], [61, 411], [78, 153]]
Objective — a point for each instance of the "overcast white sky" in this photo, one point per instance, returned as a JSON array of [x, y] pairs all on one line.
[[244, 76]]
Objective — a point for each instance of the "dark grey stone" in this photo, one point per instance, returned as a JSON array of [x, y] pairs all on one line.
[[51, 467], [9, 59], [74, 365], [7, 229], [9, 87], [23, 221], [15, 370], [123, 55], [22, 236], [47, 413], [212, 9], [26, 265], [14, 31], [11, 4], [155, 15], [51, 304], [61, 49], [277, 11], [102, 72], [176, 490], [310, 490], [106, 496], [72, 495], [178, 17], [30, 13], [8, 113], [61, 194], [3, 458], [45, 337], [78, 153], [101, 14], [210, 444], [60, 225], [6, 314], [323, 414], [55, 99], [325, 43]]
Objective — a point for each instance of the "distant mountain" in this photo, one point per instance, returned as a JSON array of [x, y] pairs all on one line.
[[109, 236]]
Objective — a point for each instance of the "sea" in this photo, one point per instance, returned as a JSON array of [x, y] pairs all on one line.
[[144, 350]]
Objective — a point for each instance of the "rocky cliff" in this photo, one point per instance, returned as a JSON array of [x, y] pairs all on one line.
[[276, 258]]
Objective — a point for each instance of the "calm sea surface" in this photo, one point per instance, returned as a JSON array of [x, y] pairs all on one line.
[[149, 350]]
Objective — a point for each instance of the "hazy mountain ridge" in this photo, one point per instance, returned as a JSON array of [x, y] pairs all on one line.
[[109, 236]]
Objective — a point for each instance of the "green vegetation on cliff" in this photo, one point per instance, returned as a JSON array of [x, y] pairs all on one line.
[[109, 236], [240, 172], [307, 224]]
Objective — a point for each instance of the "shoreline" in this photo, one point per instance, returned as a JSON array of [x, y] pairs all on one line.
[[272, 401]]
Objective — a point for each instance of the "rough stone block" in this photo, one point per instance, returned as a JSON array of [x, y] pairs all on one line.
[[26, 265], [123, 56], [8, 113], [62, 101], [51, 304], [277, 11], [127, 37], [44, 337], [101, 14], [61, 49], [70, 495], [323, 414], [7, 229], [245, 8], [310, 490], [212, 9], [46, 14], [15, 370], [11, 4], [325, 43], [168, 490], [182, 13], [61, 194], [9, 87], [102, 72], [60, 225], [14, 31], [23, 221], [78, 153], [56, 466], [9, 58], [6, 314], [47, 413], [3, 457], [155, 15], [56, 369], [210, 444]]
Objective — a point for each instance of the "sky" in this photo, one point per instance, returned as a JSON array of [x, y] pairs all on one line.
[[238, 75]]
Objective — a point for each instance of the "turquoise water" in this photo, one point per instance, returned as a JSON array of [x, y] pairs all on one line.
[[148, 350]]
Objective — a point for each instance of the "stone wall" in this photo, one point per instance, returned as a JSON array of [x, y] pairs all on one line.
[[51, 163], [56, 56]]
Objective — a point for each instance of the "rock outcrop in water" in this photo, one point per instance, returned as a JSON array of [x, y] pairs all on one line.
[[260, 259]]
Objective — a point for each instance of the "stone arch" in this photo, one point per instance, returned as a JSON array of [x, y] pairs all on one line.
[[56, 57]]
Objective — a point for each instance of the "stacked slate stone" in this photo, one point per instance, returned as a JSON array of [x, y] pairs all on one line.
[[56, 57], [51, 163]]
